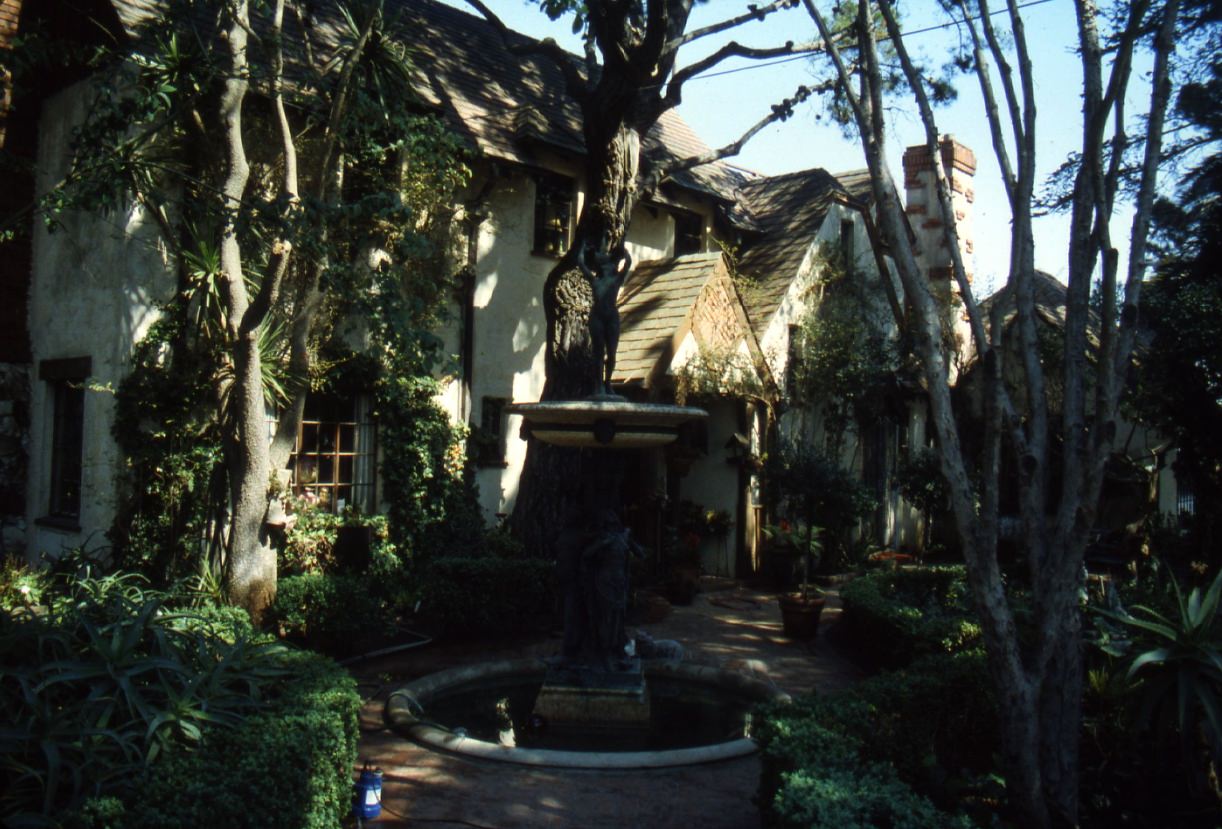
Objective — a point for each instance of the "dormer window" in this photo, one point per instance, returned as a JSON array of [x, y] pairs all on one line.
[[689, 233], [553, 213]]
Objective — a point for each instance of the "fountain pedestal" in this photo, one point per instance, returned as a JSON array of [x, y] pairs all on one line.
[[580, 700]]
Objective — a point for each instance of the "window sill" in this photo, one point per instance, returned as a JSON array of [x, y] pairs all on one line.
[[63, 523], [542, 254]]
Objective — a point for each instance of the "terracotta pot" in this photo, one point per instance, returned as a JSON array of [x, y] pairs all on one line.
[[800, 617]]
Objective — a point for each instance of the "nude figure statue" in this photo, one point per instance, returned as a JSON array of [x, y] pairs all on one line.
[[605, 278]]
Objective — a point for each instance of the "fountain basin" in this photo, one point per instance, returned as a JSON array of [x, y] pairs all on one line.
[[408, 710]]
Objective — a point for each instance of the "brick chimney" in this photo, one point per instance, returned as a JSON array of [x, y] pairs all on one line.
[[924, 213]]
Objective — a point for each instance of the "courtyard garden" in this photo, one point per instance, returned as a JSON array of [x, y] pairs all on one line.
[[127, 704]]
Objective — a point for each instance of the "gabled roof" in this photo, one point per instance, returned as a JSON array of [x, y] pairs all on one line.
[[664, 301], [655, 306], [788, 209]]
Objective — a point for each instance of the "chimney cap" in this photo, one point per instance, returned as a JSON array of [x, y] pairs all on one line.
[[955, 156]]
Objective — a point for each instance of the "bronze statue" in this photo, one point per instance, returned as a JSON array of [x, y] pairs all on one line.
[[605, 278]]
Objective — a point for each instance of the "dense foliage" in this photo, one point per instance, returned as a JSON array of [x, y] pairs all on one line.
[[487, 595], [811, 488], [896, 616], [124, 706], [896, 750]]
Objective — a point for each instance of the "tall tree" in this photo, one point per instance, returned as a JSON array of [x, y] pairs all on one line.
[[1180, 371], [628, 79], [239, 158], [1038, 679]]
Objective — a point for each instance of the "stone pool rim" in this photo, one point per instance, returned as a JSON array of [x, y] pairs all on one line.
[[400, 715]]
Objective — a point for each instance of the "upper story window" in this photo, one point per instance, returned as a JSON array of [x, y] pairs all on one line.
[[335, 454], [847, 254], [66, 389], [553, 213], [689, 233]]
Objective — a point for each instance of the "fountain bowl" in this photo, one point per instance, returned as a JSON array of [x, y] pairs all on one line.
[[407, 710]]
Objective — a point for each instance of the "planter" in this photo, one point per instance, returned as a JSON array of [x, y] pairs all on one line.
[[800, 617]]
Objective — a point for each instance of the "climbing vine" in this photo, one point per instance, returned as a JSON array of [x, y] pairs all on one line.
[[844, 364]]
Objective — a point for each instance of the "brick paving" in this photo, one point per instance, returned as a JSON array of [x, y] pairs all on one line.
[[727, 625]]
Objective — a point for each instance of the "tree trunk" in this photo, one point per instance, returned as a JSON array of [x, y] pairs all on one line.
[[251, 576], [551, 476]]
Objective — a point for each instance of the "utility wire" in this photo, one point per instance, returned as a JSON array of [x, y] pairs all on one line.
[[881, 39]]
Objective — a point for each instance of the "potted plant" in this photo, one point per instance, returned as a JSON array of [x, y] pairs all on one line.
[[801, 610]]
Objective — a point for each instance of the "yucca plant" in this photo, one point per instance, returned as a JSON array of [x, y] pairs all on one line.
[[108, 682], [1175, 663]]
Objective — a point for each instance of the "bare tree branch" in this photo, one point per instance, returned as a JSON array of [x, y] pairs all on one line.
[[282, 248], [753, 12], [674, 88], [992, 112], [780, 112]]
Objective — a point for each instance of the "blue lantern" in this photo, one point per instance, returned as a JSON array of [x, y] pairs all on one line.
[[367, 799]]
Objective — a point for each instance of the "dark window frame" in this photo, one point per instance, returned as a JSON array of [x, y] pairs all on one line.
[[689, 233], [554, 201], [335, 455], [66, 379], [490, 449]]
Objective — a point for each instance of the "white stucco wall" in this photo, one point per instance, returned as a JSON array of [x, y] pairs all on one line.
[[713, 484], [96, 284]]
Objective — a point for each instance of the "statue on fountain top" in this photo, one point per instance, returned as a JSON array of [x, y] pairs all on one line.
[[606, 277]]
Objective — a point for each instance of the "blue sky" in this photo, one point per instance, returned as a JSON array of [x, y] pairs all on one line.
[[721, 108]]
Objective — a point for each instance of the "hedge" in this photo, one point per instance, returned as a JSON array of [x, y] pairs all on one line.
[[486, 595], [288, 766], [334, 613], [123, 709], [888, 752], [894, 617]]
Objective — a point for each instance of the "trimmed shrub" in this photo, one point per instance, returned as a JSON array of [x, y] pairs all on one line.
[[288, 766], [330, 612], [894, 617], [486, 595], [886, 753], [121, 710]]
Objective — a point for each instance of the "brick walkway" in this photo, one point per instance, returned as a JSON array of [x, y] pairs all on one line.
[[736, 628]]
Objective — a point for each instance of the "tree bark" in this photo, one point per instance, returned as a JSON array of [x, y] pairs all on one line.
[[551, 475], [250, 572]]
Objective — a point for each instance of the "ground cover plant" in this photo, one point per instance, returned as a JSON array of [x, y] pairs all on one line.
[[904, 748]]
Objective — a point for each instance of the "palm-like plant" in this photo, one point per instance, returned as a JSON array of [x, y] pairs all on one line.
[[1176, 663]]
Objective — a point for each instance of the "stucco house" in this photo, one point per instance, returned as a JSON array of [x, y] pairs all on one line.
[[727, 262]]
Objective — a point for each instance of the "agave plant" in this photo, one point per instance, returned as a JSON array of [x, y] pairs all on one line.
[[1176, 663]]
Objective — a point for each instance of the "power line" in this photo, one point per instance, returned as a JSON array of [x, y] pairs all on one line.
[[814, 50]]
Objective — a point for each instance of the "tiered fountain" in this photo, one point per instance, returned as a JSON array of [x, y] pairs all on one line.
[[595, 697]]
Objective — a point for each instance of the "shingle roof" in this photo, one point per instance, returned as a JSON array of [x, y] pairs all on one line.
[[788, 210], [655, 306], [502, 103]]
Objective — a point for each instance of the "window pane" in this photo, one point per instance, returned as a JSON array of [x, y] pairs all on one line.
[[326, 470], [345, 469], [309, 438], [66, 447], [347, 437]]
